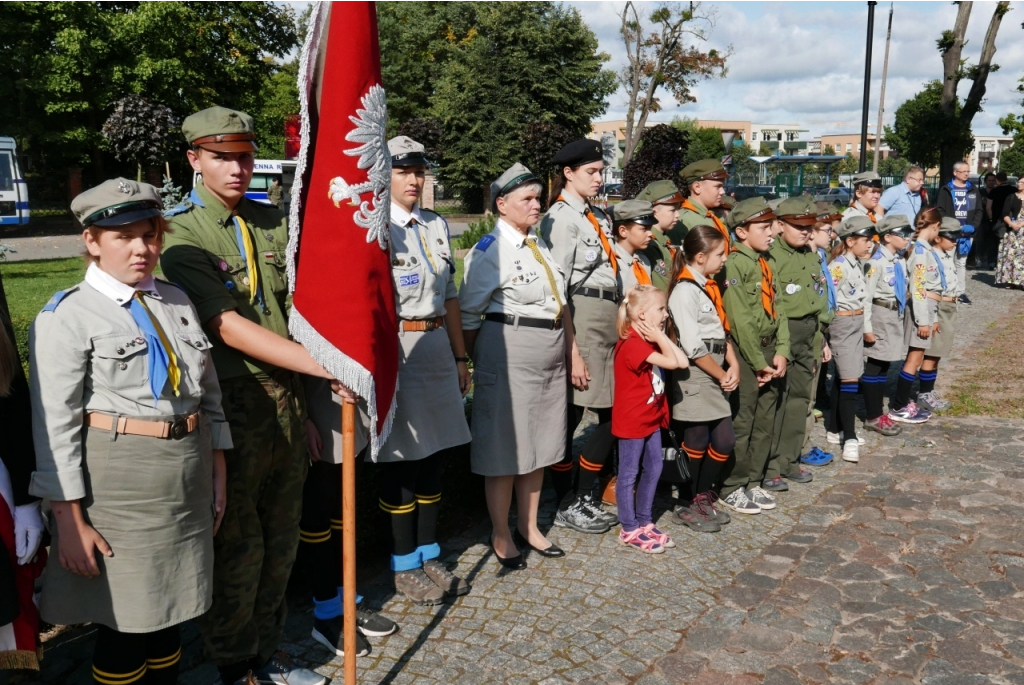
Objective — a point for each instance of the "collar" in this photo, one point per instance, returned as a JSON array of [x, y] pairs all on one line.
[[119, 292], [401, 217], [857, 205], [701, 209], [698, 278], [746, 251], [923, 244], [783, 245], [512, 235], [574, 202], [886, 254], [202, 197], [908, 191]]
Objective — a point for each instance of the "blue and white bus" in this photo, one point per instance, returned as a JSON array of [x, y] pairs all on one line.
[[263, 175], [13, 191]]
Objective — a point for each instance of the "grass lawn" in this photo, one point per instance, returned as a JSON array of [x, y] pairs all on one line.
[[992, 381]]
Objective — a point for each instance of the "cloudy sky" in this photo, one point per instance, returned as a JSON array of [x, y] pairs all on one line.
[[803, 62]]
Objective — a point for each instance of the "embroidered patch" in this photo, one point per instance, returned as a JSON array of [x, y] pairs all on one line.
[[871, 271], [590, 255], [55, 300], [485, 242], [919, 267], [409, 280], [892, 281], [837, 272]]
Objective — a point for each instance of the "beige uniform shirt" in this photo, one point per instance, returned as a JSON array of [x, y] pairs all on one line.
[[948, 262], [923, 277], [848, 279], [422, 263], [575, 244], [502, 276], [89, 355], [627, 278], [695, 317], [881, 279]]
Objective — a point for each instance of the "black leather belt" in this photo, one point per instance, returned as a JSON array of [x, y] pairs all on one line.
[[891, 305], [599, 293], [513, 320], [715, 346]]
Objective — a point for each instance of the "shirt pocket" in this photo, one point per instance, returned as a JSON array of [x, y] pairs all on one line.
[[275, 264], [234, 275], [193, 350], [528, 288], [120, 363], [589, 250], [409, 279]]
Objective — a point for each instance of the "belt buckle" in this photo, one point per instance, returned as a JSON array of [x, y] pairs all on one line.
[[179, 428]]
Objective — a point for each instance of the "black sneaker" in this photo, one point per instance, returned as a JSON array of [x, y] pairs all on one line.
[[963, 299], [331, 635], [372, 624], [594, 505], [578, 516]]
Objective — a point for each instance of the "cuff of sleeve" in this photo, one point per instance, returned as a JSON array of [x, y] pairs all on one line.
[[212, 306], [221, 432], [59, 486]]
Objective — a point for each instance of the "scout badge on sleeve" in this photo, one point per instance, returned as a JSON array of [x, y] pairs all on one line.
[[345, 317]]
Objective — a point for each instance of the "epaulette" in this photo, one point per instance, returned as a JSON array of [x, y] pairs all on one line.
[[839, 259], [166, 282], [877, 255], [485, 242], [56, 299], [918, 248], [185, 206]]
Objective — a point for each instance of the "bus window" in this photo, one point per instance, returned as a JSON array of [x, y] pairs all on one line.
[[260, 182], [6, 171]]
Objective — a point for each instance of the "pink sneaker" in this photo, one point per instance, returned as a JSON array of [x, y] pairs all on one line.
[[661, 538], [638, 539]]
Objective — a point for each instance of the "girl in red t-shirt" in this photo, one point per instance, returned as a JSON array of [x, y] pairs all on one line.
[[640, 411]]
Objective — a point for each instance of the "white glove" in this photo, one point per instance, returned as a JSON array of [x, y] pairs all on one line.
[[28, 531]]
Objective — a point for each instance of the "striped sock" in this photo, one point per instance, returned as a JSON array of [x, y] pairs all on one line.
[[848, 409], [873, 388], [903, 387], [928, 380]]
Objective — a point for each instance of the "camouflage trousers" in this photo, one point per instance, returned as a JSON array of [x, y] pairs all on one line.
[[255, 548]]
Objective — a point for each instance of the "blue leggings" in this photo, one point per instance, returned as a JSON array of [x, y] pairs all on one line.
[[631, 451]]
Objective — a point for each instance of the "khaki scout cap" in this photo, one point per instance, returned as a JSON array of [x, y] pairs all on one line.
[[661, 193], [750, 210], [950, 228], [117, 202], [728, 201], [515, 176], [828, 212], [704, 170], [220, 129], [895, 223], [406, 152], [856, 224], [867, 178], [634, 212], [799, 211]]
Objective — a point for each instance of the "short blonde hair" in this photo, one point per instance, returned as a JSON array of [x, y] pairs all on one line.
[[637, 298]]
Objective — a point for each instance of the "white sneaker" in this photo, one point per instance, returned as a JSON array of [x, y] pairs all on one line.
[[835, 439], [738, 502], [851, 451], [761, 498]]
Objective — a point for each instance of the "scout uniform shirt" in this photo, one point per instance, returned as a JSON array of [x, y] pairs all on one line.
[[205, 253], [422, 264], [96, 360], [856, 208], [693, 213], [750, 293], [502, 276], [798, 280], [568, 228], [695, 316], [628, 266], [884, 271], [947, 264], [848, 279], [659, 255], [924, 277]]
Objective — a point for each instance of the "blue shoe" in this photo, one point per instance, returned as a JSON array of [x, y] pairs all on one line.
[[816, 457]]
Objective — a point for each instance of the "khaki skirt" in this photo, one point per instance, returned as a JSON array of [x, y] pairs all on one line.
[[846, 338], [519, 400], [910, 336], [888, 328], [152, 501], [697, 397], [594, 322], [429, 416], [942, 341]]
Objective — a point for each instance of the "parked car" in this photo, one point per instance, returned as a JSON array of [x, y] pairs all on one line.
[[611, 190], [747, 192], [834, 196]]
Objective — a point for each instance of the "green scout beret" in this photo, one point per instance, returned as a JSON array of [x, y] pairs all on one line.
[[634, 212], [704, 170], [406, 152], [950, 228], [117, 202], [828, 212], [750, 210], [578, 153], [220, 129], [661, 193], [896, 223], [867, 178], [515, 176], [856, 224], [798, 211]]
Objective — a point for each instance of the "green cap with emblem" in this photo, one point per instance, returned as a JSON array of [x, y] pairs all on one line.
[[798, 211], [515, 176], [828, 212], [867, 178], [753, 209], [406, 152], [854, 225], [117, 202], [634, 212], [895, 223], [661, 193], [220, 129], [704, 170], [950, 228]]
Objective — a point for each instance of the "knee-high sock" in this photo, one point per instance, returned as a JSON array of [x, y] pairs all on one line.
[[163, 656], [398, 500], [119, 658], [873, 386], [848, 409], [595, 452], [903, 387], [564, 473], [833, 424], [927, 379], [428, 504]]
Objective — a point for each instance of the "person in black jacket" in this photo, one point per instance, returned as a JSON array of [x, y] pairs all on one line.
[[961, 200]]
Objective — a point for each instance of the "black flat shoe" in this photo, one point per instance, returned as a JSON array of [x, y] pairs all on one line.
[[552, 552], [515, 563]]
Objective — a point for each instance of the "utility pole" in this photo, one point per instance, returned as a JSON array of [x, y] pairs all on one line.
[[862, 162], [881, 96]]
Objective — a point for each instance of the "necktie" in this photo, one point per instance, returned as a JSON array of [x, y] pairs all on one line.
[[900, 286], [247, 250], [532, 244], [767, 288], [607, 246], [638, 272], [710, 289], [942, 269], [163, 364], [424, 248], [827, 277], [714, 219]]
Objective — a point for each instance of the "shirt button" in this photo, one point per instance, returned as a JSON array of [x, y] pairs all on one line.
[[123, 366]]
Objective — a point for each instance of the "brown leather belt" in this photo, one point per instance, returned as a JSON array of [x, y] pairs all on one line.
[[164, 430], [844, 312], [939, 298], [891, 305], [422, 324]]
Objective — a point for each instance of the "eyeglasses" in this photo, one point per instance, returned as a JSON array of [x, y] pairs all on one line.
[[916, 179], [826, 231]]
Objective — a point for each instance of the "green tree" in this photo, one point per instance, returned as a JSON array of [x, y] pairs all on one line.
[[705, 143], [921, 130], [659, 156], [1012, 159], [829, 150], [279, 97]]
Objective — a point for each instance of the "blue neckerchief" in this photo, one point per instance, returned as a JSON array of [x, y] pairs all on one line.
[[942, 269], [828, 279], [245, 261], [900, 285], [159, 360]]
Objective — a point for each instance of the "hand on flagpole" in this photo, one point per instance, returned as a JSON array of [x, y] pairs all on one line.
[[342, 391]]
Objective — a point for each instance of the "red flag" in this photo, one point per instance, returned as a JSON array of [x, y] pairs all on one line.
[[338, 263]]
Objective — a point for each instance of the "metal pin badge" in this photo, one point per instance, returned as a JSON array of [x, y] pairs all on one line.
[[184, 321]]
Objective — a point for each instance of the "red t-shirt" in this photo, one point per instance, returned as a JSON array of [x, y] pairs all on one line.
[[640, 406]]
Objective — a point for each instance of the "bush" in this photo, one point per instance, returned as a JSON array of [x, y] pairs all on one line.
[[477, 230]]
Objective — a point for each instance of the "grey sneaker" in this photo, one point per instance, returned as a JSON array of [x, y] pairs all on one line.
[[696, 517], [776, 484], [281, 671], [932, 402], [761, 498], [418, 587], [738, 501], [452, 585], [372, 624], [718, 513], [578, 516], [330, 633], [594, 505]]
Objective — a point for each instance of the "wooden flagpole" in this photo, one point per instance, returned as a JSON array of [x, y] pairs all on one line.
[[348, 535]]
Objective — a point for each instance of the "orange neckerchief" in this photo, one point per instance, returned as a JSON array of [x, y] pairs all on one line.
[[870, 212], [638, 271], [767, 288], [718, 223], [600, 234], [710, 289]]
